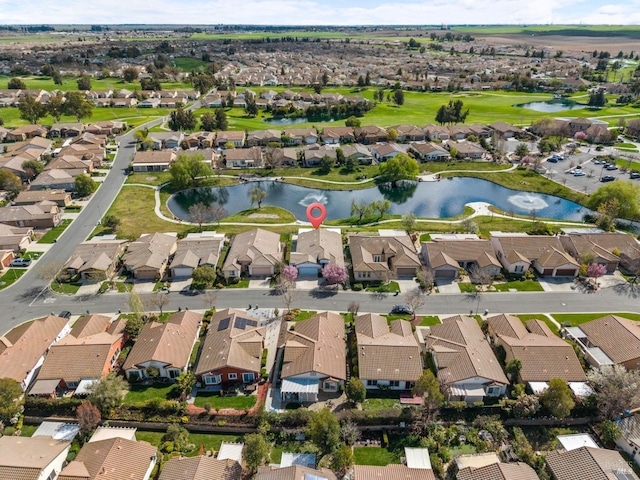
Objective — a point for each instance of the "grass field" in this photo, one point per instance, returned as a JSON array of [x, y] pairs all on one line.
[[211, 441], [142, 393], [373, 404], [52, 235], [579, 318], [552, 326], [582, 30], [275, 215], [240, 402], [71, 83], [66, 288]]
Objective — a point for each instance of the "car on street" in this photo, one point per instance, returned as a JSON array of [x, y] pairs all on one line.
[[552, 160], [599, 162], [607, 178], [65, 314], [20, 262], [611, 166], [402, 309], [579, 173], [634, 175]]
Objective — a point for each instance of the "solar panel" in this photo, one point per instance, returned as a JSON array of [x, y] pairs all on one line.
[[252, 323], [224, 324], [240, 323]]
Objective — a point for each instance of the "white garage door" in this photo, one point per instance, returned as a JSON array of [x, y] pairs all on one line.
[[182, 271]]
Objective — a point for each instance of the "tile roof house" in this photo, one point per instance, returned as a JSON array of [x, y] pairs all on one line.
[[32, 458], [166, 346], [64, 130], [429, 152], [231, 351], [94, 344], [446, 257], [391, 472], [262, 138], [166, 140], [153, 161], [388, 355], [235, 137], [588, 463], [28, 197], [243, 157], [380, 258], [608, 340], [314, 249], [629, 440], [499, 471], [437, 132], [301, 136], [294, 472], [370, 134], [112, 459], [57, 179], [505, 130], [201, 468], [386, 151], [601, 246], [196, 250], [44, 214], [200, 140], [336, 135], [544, 356], [287, 156], [69, 162], [467, 367], [314, 358], [359, 153], [148, 257], [96, 259], [254, 253], [312, 155], [545, 254], [26, 131], [409, 133], [466, 149], [22, 350], [14, 238]]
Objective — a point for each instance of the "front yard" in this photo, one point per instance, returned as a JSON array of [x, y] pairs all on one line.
[[578, 318], [52, 235], [11, 276], [515, 285]]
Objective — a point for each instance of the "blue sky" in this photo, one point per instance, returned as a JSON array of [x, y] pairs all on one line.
[[321, 12]]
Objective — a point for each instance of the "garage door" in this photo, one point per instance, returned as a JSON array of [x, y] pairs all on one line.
[[261, 271], [406, 272], [449, 274], [308, 270], [182, 271], [547, 271], [567, 272]]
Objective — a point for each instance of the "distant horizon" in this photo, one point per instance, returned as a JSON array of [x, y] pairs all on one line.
[[310, 13], [309, 25]]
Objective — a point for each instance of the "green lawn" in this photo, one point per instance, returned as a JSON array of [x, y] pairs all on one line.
[[266, 214], [65, 288], [373, 404], [211, 441], [243, 283], [11, 276], [142, 393], [55, 232], [239, 402], [578, 318], [436, 167], [520, 286], [397, 316], [194, 353], [552, 326], [28, 430], [150, 178], [121, 287], [429, 320], [374, 456], [299, 315], [390, 287], [32, 255]]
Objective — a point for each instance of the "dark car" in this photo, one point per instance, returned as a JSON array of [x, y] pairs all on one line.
[[607, 178], [634, 175], [65, 314], [552, 160], [402, 309]]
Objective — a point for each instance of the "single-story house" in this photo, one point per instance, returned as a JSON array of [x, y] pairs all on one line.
[[57, 179], [370, 134], [588, 462], [166, 346], [254, 253], [148, 257], [380, 258], [200, 140], [337, 135], [498, 471], [70, 162], [358, 152], [32, 457], [150, 161], [313, 154], [608, 249], [505, 130], [26, 131], [65, 130], [294, 472], [166, 140], [196, 250], [44, 214], [301, 136], [201, 467], [262, 138], [409, 133], [107, 127], [466, 149], [436, 132], [446, 257], [429, 152], [243, 157], [232, 136], [385, 151], [15, 238], [96, 259], [313, 249], [28, 197], [287, 156]]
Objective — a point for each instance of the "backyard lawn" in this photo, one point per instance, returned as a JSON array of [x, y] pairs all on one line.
[[373, 404], [239, 402], [552, 326], [211, 441], [374, 456], [142, 393]]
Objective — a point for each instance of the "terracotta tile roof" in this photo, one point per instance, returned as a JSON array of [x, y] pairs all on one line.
[[169, 342], [601, 245], [399, 249], [234, 339], [201, 468], [158, 157], [23, 458], [546, 250], [316, 345], [499, 471], [112, 459], [450, 252], [23, 346], [385, 354], [151, 250], [391, 472], [193, 252], [588, 463], [90, 325], [618, 338], [95, 255], [316, 245], [257, 247], [462, 351], [293, 473]]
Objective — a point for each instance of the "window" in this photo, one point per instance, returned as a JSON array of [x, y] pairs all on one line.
[[493, 391], [212, 380], [372, 383], [247, 377], [377, 258], [519, 269], [233, 376], [72, 384], [329, 386], [394, 383], [174, 373]]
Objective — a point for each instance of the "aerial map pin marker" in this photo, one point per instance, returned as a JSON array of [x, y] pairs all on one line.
[[316, 221]]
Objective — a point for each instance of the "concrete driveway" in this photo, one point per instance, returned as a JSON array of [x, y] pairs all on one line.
[[447, 286]]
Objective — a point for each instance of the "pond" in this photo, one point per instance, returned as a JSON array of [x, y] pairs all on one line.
[[442, 199], [550, 106], [290, 121]]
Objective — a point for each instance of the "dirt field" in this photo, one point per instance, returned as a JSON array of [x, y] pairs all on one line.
[[565, 43]]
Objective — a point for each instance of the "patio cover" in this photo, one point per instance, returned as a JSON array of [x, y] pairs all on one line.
[[466, 390], [299, 385], [538, 387], [84, 386], [581, 389], [45, 387], [57, 430]]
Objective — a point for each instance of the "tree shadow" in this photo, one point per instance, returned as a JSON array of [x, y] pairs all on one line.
[[631, 290], [28, 295]]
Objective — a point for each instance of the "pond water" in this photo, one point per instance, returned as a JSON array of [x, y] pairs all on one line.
[[442, 199], [550, 106], [290, 121]]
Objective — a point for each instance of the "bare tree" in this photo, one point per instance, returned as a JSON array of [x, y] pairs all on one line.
[[159, 300], [287, 291], [199, 213], [415, 298], [210, 298], [217, 212], [425, 278], [480, 275], [353, 309], [469, 226]]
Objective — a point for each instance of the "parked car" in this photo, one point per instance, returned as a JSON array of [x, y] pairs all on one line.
[[65, 314], [552, 160], [634, 175], [599, 162], [579, 173], [402, 309], [611, 166], [607, 178], [20, 262]]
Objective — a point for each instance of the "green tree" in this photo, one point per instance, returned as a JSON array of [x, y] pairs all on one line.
[[130, 74], [221, 119], [76, 105], [85, 185], [513, 368], [11, 399], [31, 110], [324, 430], [558, 399], [181, 119], [428, 387], [398, 97], [84, 82], [55, 106], [625, 192], [187, 169], [108, 394], [184, 384], [408, 222], [597, 98], [208, 122], [381, 206], [10, 182], [360, 209], [204, 275], [609, 431], [522, 150], [176, 435], [353, 122], [111, 222], [356, 391], [16, 84], [256, 451], [133, 327], [326, 163], [32, 168], [392, 135], [342, 460], [257, 196], [400, 167]]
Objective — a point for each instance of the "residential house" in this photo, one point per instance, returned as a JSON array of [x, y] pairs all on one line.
[[243, 157], [294, 472], [5, 258], [608, 340], [446, 257], [388, 355], [254, 253], [13, 164], [32, 458], [589, 463], [165, 140], [429, 152], [44, 214], [22, 349], [66, 130], [313, 155], [437, 132], [262, 138], [149, 161], [93, 153], [380, 258], [200, 140], [409, 133], [70, 162], [112, 459], [119, 102], [629, 439], [386, 151], [499, 471], [391, 471], [545, 254], [93, 343], [28, 197], [579, 124], [96, 259], [467, 368], [148, 257], [283, 157], [505, 130], [231, 351], [150, 103], [468, 150], [313, 249], [26, 131], [34, 148], [15, 238], [314, 358], [166, 346], [370, 134], [107, 127], [201, 468], [544, 356], [57, 179], [359, 153], [608, 249], [301, 136], [196, 250], [337, 135], [235, 137]]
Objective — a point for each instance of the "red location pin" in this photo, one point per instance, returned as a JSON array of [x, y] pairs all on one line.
[[316, 221]]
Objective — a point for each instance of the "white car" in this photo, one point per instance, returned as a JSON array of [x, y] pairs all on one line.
[[579, 173]]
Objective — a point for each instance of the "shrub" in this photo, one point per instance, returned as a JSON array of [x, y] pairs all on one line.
[[9, 431], [356, 287], [208, 406]]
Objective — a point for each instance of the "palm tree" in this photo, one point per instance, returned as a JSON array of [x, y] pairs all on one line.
[[257, 196]]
